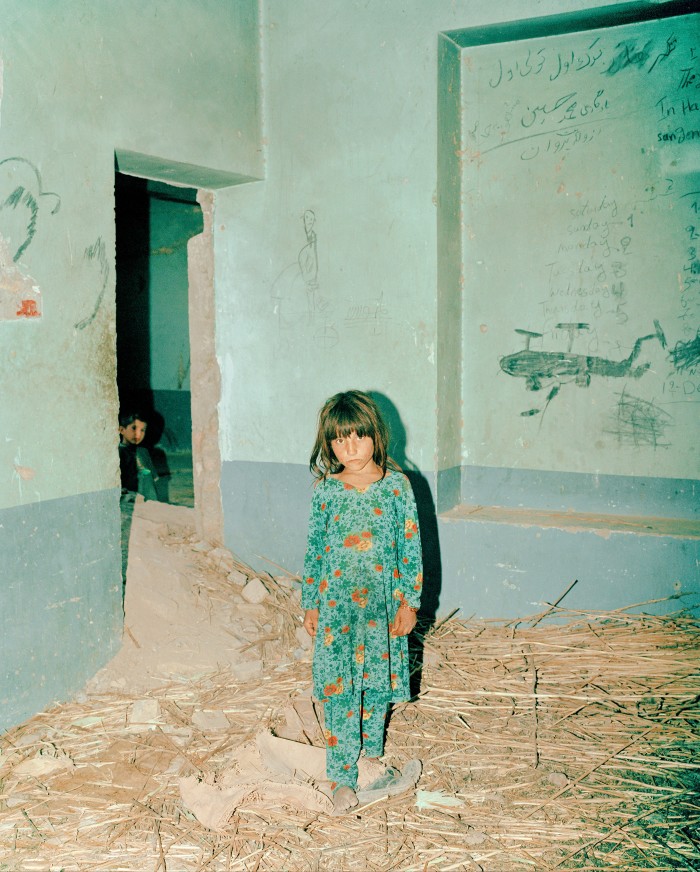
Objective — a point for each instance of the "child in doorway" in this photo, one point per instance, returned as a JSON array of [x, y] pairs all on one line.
[[138, 474], [362, 584]]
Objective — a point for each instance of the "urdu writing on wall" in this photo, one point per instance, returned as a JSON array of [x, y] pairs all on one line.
[[580, 161]]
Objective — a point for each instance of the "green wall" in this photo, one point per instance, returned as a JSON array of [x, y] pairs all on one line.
[[82, 81], [173, 91], [345, 268], [327, 272], [580, 186]]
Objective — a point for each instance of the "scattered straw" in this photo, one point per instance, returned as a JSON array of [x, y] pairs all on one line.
[[567, 746]]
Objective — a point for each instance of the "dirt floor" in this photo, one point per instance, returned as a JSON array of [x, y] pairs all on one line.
[[569, 745]]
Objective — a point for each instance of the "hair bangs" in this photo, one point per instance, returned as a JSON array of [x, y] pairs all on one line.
[[344, 421]]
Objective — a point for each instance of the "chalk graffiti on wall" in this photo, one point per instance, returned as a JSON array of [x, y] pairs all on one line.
[[577, 112], [685, 356], [541, 369], [22, 199], [308, 257], [97, 253], [21, 181], [372, 317], [683, 382], [301, 307], [298, 303], [637, 422], [595, 248]]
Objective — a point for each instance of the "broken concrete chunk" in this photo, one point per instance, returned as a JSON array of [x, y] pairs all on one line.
[[177, 764], [209, 721], [558, 779], [87, 721], [43, 764], [27, 739], [14, 799], [180, 736], [222, 557], [144, 711], [235, 576], [255, 591]]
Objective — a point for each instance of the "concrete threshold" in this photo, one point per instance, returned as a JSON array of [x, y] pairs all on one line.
[[677, 528]]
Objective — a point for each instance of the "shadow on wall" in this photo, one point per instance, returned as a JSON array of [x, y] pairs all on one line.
[[427, 521]]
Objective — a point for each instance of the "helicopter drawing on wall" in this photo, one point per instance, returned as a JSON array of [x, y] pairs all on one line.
[[542, 369]]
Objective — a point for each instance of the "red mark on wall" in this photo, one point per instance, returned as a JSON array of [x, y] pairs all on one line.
[[26, 473], [28, 309]]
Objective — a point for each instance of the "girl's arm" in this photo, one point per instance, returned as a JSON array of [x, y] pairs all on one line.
[[314, 551], [409, 585]]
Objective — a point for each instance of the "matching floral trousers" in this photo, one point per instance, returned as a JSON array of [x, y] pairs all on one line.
[[353, 724]]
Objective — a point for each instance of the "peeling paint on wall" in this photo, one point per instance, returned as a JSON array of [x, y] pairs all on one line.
[[21, 202], [20, 296], [22, 474]]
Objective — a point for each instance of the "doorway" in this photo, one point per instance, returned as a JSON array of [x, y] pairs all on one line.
[[154, 223]]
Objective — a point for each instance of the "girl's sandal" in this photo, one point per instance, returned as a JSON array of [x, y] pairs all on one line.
[[392, 782]]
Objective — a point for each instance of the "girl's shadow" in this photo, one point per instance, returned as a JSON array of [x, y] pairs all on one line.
[[427, 521]]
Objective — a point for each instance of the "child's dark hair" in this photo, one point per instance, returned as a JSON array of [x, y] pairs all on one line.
[[129, 416], [343, 414]]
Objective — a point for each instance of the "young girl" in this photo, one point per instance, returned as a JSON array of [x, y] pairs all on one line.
[[362, 584]]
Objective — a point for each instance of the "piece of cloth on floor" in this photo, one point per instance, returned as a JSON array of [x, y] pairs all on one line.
[[303, 720], [268, 771]]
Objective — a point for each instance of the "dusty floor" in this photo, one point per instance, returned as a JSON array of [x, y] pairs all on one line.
[[569, 746]]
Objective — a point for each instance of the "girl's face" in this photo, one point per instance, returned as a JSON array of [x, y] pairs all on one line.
[[134, 432], [353, 452]]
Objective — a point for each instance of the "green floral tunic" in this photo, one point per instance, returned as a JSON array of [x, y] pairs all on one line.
[[363, 559]]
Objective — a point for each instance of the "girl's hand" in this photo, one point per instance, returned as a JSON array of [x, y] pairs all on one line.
[[404, 621], [311, 621]]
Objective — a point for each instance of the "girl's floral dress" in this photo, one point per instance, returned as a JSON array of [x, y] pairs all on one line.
[[363, 559]]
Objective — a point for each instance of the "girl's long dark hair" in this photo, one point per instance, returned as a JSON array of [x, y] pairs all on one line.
[[343, 414]]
